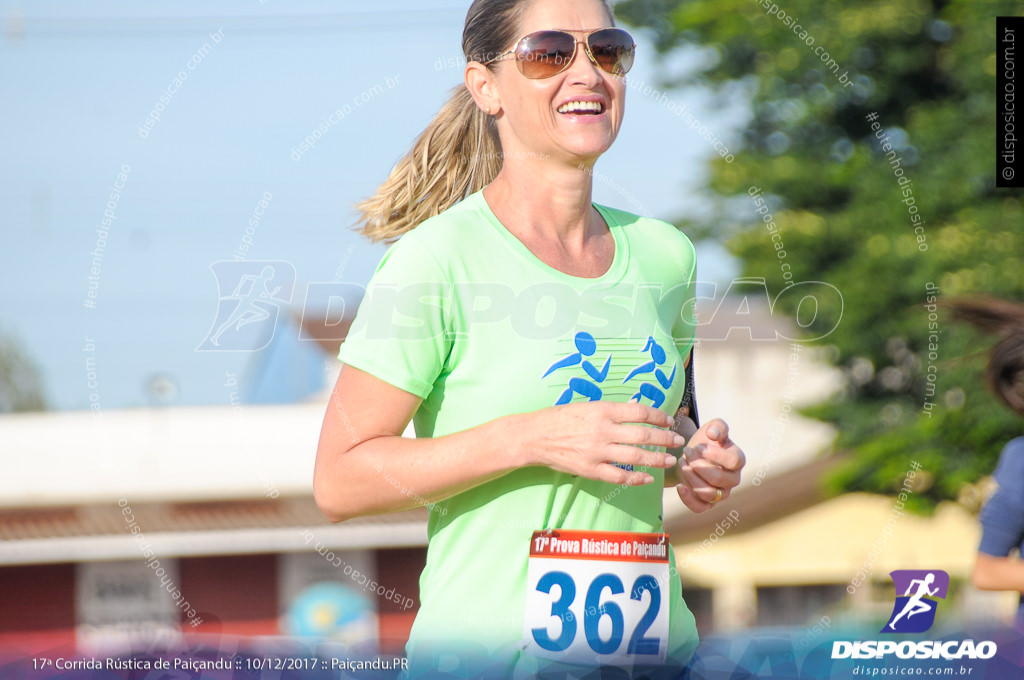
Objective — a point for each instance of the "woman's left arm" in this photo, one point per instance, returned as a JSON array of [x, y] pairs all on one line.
[[710, 462], [709, 465], [685, 427]]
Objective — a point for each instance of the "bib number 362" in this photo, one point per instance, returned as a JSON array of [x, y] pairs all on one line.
[[597, 597]]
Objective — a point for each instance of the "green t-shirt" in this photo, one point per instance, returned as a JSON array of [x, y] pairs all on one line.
[[460, 313]]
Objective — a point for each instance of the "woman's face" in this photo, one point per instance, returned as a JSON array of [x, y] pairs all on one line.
[[531, 123]]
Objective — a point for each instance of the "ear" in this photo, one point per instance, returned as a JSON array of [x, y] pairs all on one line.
[[482, 86]]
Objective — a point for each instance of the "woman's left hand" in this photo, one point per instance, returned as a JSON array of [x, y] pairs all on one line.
[[709, 467]]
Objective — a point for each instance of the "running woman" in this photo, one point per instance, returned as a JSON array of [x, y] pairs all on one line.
[[539, 344]]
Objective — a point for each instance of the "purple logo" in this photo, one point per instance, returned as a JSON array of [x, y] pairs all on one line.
[[914, 611]]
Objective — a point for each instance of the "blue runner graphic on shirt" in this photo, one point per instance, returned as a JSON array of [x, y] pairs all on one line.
[[585, 346], [652, 386], [649, 389]]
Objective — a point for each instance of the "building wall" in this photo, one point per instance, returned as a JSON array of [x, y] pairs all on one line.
[[38, 608], [234, 594], [231, 594]]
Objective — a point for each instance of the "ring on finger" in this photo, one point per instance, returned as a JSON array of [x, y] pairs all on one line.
[[718, 497]]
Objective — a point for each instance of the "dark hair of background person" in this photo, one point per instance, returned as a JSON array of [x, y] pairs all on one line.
[[1005, 319]]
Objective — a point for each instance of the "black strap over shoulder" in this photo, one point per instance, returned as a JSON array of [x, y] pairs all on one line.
[[689, 392]]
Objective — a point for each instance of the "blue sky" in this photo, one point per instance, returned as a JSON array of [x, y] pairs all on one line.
[[77, 80]]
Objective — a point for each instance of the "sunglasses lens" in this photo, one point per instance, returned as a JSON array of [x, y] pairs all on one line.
[[545, 53], [613, 50]]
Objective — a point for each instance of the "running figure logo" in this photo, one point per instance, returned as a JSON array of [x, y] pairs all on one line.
[[655, 365], [585, 346], [914, 611], [247, 316]]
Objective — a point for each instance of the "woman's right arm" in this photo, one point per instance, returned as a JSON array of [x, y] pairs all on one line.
[[364, 466], [1002, 526], [998, 573]]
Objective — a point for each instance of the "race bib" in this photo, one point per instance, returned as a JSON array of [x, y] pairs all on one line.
[[597, 597]]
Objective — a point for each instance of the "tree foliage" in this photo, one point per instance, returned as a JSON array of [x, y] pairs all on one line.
[[21, 387], [927, 68]]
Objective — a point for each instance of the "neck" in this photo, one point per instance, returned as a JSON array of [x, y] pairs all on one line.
[[546, 200]]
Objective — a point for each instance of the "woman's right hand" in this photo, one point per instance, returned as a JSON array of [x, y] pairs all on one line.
[[365, 466], [587, 438]]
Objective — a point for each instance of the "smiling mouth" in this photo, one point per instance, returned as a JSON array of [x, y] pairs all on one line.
[[582, 108]]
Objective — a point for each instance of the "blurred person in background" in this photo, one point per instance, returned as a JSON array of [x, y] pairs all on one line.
[[1002, 519]]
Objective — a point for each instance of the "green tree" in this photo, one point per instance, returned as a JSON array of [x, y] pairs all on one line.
[[21, 388], [816, 71]]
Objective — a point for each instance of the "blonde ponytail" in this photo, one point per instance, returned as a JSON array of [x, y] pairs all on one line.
[[457, 155]]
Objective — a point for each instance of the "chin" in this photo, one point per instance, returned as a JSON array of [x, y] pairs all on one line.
[[589, 147]]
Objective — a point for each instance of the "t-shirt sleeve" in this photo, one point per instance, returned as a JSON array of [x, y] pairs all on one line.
[[685, 321], [1002, 519], [400, 332]]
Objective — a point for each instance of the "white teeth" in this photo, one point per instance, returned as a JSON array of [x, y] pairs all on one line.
[[578, 107]]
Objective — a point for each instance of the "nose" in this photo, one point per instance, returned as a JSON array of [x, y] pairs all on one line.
[[583, 70]]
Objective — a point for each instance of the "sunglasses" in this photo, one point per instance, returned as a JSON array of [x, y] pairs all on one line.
[[547, 53]]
